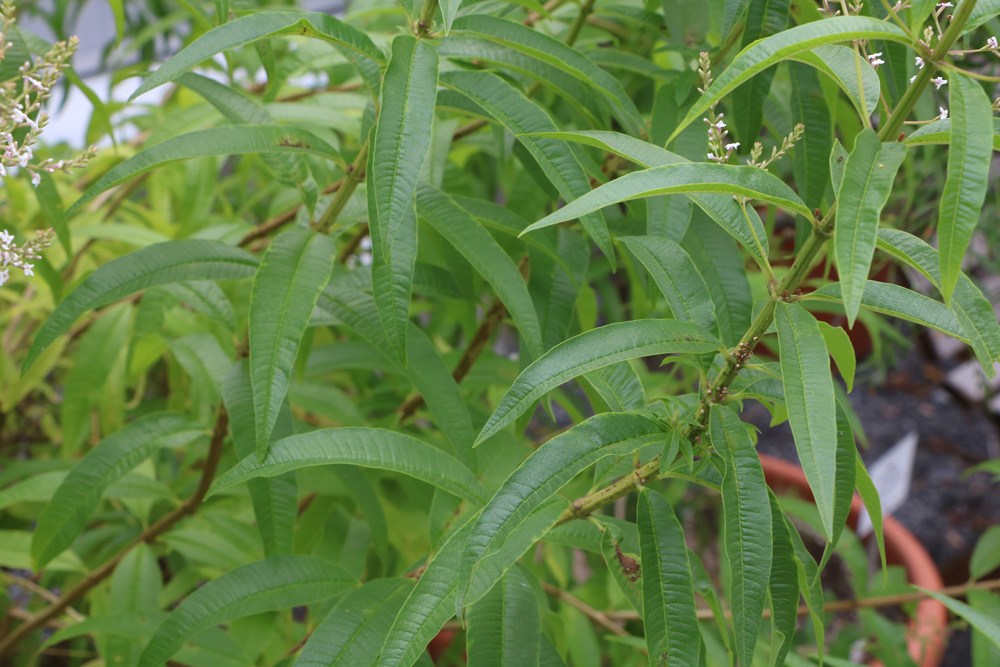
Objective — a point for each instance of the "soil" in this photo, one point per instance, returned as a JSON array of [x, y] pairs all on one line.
[[946, 510]]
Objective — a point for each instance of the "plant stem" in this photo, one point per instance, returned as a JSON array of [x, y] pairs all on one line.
[[823, 230], [355, 174], [167, 521]]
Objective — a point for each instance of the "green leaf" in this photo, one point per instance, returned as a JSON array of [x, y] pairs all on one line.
[[967, 178], [623, 566], [273, 584], [512, 109], [974, 312], [981, 13], [810, 159], [838, 160], [365, 447], [430, 603], [771, 50], [873, 503], [986, 554], [551, 51], [980, 622], [160, 264], [864, 190], [618, 386], [898, 301], [350, 41], [682, 178], [805, 371], [939, 132], [748, 538], [783, 586], [449, 10], [841, 64], [764, 18], [839, 344], [227, 140], [293, 272], [428, 373], [669, 617], [274, 499], [548, 469], [592, 350], [742, 223], [486, 256], [65, 517], [677, 278], [353, 631], [503, 627], [402, 138]]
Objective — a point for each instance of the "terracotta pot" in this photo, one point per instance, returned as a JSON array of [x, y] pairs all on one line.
[[928, 629]]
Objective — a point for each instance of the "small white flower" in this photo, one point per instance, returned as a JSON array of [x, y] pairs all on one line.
[[875, 59], [913, 78], [27, 268], [36, 178], [943, 5], [919, 62], [4, 276], [21, 117], [944, 113], [938, 82], [720, 125], [991, 43], [6, 238], [733, 146], [711, 156]]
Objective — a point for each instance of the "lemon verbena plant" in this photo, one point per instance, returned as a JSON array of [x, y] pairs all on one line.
[[418, 324]]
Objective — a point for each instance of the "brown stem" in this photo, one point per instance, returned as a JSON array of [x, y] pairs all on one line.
[[353, 244], [282, 219], [167, 521], [598, 617], [839, 606]]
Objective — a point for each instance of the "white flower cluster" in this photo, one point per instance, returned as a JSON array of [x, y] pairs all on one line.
[[21, 100], [13, 255]]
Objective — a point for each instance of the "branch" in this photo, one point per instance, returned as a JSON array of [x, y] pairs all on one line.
[[94, 577]]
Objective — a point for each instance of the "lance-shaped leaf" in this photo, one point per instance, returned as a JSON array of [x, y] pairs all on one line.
[[402, 138], [668, 614], [805, 371], [551, 51], [810, 159], [227, 140], [274, 499], [748, 539], [898, 301], [427, 607], [160, 264], [353, 632], [771, 50], [966, 181], [939, 132], [65, 517], [504, 628], [350, 41], [545, 471], [366, 447], [873, 504], [783, 587], [682, 178], [763, 19], [512, 109], [974, 311], [982, 623], [868, 175], [293, 272], [485, 255], [742, 223], [276, 583], [841, 64], [677, 278], [591, 350]]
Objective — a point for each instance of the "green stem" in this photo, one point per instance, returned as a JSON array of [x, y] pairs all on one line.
[[354, 176], [797, 273], [574, 30]]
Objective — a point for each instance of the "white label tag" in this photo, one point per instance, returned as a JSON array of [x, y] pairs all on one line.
[[891, 474]]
